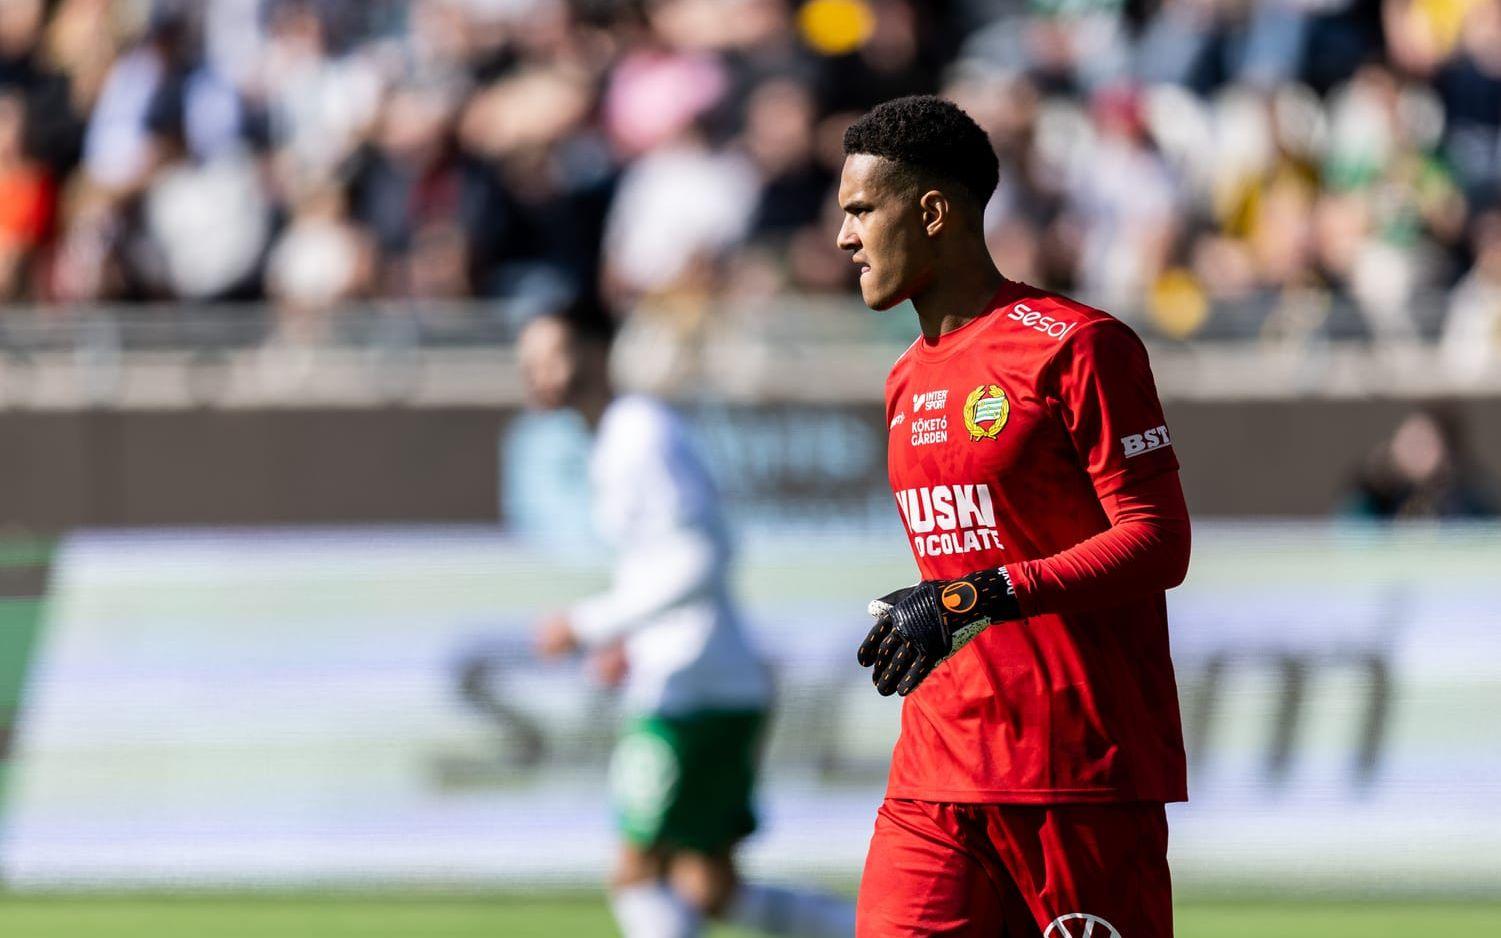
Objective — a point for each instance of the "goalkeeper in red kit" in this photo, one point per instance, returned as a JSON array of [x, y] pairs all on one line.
[[1035, 476]]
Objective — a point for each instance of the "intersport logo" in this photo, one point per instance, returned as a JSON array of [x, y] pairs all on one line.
[[929, 400]]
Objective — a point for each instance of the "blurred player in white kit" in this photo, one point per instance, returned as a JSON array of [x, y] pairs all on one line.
[[696, 695]]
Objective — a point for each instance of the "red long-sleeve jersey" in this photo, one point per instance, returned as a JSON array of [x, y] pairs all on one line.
[[1032, 437]]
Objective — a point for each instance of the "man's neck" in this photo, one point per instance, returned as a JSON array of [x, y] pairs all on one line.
[[955, 298]]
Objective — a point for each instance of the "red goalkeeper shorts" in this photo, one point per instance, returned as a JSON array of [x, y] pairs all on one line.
[[994, 870]]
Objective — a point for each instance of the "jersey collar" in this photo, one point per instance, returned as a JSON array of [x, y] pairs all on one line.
[[955, 340]]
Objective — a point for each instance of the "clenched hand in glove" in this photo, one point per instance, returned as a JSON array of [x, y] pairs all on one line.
[[919, 627]]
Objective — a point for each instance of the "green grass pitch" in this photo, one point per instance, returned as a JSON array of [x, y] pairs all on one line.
[[56, 916]]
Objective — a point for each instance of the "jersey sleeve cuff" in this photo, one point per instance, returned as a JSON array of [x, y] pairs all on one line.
[[1021, 585]]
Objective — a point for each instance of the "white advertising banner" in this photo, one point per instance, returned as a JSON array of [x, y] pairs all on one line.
[[361, 707]]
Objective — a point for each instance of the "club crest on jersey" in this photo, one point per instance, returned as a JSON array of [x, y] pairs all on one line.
[[985, 412]]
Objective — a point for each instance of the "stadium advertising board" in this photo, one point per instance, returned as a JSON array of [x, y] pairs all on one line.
[[312, 707]]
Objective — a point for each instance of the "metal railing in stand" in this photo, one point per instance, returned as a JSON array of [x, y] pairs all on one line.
[[791, 349]]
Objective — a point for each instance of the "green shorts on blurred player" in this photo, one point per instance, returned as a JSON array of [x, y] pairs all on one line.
[[695, 693], [687, 781]]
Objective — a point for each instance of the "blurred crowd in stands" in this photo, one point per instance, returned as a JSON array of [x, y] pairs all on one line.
[[1276, 169]]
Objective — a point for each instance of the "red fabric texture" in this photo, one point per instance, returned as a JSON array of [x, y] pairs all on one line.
[[1143, 552], [979, 871]]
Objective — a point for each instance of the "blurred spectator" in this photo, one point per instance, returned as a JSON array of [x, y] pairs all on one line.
[[655, 94], [205, 214], [320, 259], [1424, 470], [27, 199], [533, 125], [80, 45], [678, 209], [1469, 85], [1472, 331], [779, 130], [53, 132], [320, 104], [157, 80], [437, 215], [1124, 199]]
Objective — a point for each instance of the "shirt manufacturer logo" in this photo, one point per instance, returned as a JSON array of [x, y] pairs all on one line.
[[1047, 325], [1080, 925], [985, 412], [898, 420], [960, 597], [1138, 443]]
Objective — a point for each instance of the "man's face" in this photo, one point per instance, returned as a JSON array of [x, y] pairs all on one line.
[[883, 231], [545, 352]]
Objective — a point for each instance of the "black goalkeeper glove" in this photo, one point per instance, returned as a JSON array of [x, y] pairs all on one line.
[[920, 627]]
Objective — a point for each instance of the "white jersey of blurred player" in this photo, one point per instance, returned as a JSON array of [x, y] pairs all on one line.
[[669, 599]]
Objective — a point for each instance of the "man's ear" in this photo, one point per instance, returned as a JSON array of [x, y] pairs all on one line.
[[935, 211]]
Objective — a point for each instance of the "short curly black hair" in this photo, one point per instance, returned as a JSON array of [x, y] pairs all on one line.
[[929, 138]]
